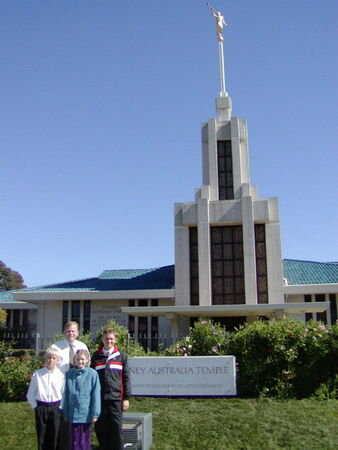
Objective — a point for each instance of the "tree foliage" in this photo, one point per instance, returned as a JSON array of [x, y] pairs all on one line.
[[10, 279], [3, 315]]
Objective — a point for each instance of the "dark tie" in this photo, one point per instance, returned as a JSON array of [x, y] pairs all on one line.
[[71, 355]]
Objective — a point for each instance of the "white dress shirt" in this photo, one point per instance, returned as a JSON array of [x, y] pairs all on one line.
[[63, 347], [46, 386]]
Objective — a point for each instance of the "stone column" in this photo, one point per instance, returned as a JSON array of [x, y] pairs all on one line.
[[274, 263], [204, 253], [182, 263], [249, 251]]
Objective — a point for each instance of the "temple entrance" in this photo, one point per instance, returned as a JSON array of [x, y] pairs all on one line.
[[230, 323]]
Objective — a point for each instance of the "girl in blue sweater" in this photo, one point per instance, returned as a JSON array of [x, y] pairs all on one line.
[[81, 401]]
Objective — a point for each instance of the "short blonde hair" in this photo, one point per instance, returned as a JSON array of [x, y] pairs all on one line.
[[70, 324], [52, 351], [82, 352]]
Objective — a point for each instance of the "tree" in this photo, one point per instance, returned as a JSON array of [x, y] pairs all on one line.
[[3, 315], [10, 279]]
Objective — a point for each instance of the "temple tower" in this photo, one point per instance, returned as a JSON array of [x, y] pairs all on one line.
[[227, 241]]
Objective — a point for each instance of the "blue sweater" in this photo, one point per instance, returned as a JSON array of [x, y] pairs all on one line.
[[81, 401]]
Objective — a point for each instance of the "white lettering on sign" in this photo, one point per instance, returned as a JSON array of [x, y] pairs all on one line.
[[183, 376]]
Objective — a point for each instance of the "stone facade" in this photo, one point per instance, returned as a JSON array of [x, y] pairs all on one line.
[[227, 199]]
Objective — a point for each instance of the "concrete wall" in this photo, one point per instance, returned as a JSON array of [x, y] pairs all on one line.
[[245, 209], [297, 298], [50, 315]]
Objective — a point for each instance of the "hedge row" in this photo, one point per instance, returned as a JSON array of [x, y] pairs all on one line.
[[283, 359], [286, 358]]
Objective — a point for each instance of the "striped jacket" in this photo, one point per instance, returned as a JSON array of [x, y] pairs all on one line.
[[113, 373]]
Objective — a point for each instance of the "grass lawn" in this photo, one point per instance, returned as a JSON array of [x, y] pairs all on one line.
[[209, 424]]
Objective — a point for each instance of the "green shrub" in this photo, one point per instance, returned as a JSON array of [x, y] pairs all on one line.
[[327, 391], [124, 341], [286, 358], [6, 349], [87, 338], [317, 359], [265, 353], [15, 372], [205, 338]]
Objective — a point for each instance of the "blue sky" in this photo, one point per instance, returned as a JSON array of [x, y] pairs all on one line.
[[101, 107]]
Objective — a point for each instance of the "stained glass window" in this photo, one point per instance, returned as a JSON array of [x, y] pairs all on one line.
[[225, 175], [194, 279], [261, 266], [227, 267]]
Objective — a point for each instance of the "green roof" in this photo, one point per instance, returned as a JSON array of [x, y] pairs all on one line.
[[115, 280], [310, 272], [295, 271], [126, 274], [7, 297]]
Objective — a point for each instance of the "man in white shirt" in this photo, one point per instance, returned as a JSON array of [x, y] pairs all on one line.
[[69, 345], [45, 395]]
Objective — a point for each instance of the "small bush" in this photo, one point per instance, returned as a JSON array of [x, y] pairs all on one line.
[[15, 372], [286, 358], [205, 338], [317, 359], [327, 391], [124, 341], [265, 353], [87, 338]]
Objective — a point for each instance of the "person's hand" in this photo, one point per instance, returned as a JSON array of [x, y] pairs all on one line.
[[94, 419], [125, 405]]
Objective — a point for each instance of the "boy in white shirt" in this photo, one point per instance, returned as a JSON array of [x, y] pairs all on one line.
[[45, 395]]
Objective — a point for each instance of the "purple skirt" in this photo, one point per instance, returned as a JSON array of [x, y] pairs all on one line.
[[81, 436]]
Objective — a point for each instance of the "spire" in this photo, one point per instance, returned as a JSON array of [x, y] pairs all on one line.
[[223, 101]]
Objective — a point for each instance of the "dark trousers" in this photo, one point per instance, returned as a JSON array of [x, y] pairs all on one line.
[[108, 427], [47, 420], [65, 432]]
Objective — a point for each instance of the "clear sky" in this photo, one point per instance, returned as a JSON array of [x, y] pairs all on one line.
[[100, 114]]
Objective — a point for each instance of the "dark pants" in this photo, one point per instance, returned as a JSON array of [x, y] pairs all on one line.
[[64, 441], [108, 427], [47, 420]]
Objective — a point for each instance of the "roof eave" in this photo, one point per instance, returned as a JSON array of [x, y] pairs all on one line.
[[38, 296], [329, 288], [17, 305], [268, 309]]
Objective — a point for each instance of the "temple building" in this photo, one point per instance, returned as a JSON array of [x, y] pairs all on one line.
[[228, 260]]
